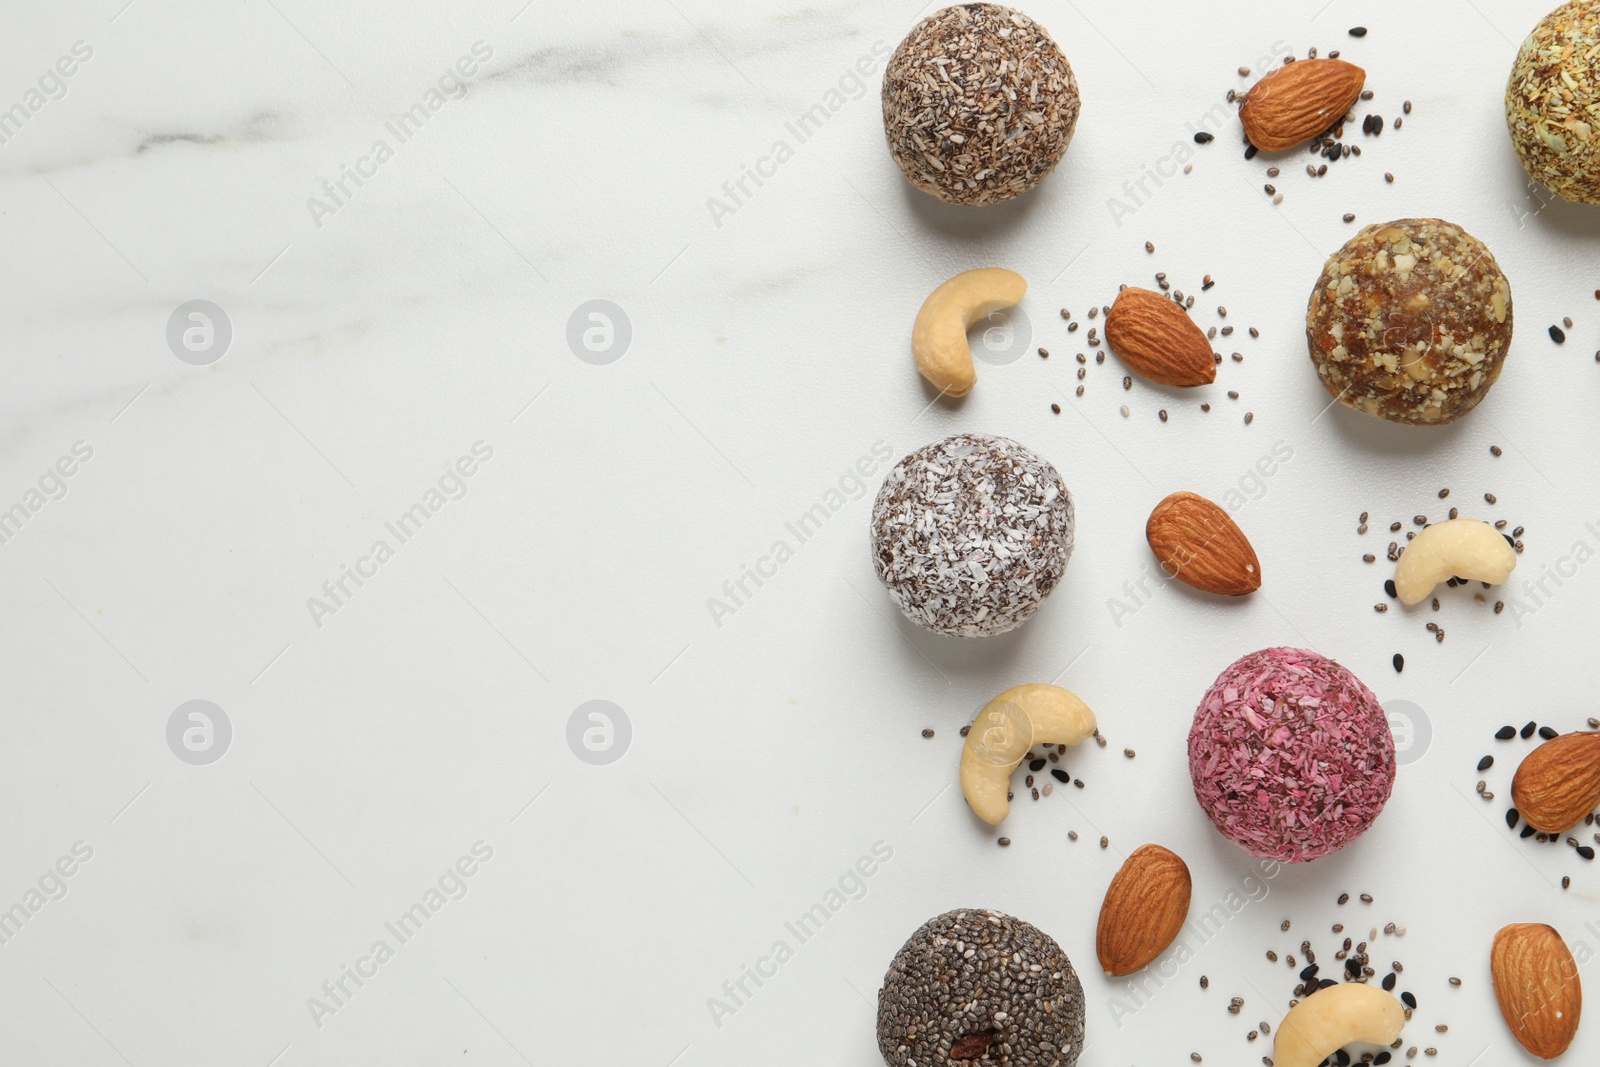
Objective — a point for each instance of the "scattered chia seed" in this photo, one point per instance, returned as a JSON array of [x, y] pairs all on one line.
[[1399, 663], [1358, 31], [1055, 409], [927, 733], [1004, 842], [1557, 335]]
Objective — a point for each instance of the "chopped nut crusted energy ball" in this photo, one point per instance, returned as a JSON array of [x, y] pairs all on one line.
[[978, 104], [1291, 756], [971, 533], [979, 989], [1410, 321], [1553, 102]]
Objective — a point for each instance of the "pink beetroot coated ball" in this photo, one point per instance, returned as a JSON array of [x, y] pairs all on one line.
[[1291, 755]]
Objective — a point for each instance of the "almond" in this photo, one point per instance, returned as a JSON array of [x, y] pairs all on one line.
[[1199, 544], [1157, 340], [1145, 908], [1295, 103], [1559, 782], [1536, 983]]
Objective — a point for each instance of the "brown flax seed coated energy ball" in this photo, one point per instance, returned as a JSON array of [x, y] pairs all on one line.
[[1553, 102], [978, 104], [1410, 321], [979, 989]]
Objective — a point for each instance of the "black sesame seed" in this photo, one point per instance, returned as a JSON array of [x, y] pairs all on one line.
[[1505, 733], [1060, 775], [1388, 982], [1036, 765], [1203, 138], [1548, 733], [1399, 663], [1388, 587], [1527, 731], [1358, 31], [1381, 1058], [1326, 983], [1250, 151], [1557, 335], [1408, 1000], [1485, 763], [1586, 852], [1527, 832], [1511, 818], [1309, 973]]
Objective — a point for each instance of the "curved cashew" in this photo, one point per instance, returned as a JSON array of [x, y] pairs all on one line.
[[1459, 548], [1003, 732], [1332, 1018], [939, 336]]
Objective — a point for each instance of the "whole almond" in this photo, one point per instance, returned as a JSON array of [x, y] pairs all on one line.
[[1559, 782], [1144, 910], [1536, 983], [1295, 103], [1158, 340], [1199, 544]]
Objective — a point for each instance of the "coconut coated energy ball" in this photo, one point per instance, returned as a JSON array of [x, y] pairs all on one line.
[[980, 989], [1553, 102], [1291, 755], [971, 533], [978, 104], [1410, 321]]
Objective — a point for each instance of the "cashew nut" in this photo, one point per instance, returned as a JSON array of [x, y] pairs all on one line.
[[1457, 548], [1332, 1018], [939, 337], [1005, 729]]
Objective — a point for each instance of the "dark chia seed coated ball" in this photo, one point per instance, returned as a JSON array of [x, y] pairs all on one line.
[[971, 533], [980, 989], [978, 104]]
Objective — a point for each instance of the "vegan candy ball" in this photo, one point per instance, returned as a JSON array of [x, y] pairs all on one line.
[[1552, 101], [971, 533], [978, 104], [1410, 321], [1291, 755], [980, 987]]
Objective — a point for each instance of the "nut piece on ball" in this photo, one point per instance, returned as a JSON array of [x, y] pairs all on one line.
[[978, 104], [1410, 321], [971, 533], [980, 987], [1552, 100]]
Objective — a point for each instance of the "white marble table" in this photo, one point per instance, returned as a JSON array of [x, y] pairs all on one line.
[[397, 508]]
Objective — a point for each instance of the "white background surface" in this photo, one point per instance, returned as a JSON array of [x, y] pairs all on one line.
[[768, 353]]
